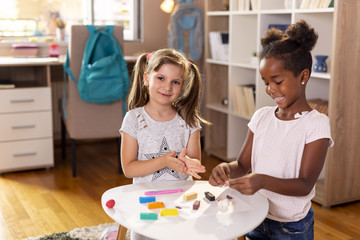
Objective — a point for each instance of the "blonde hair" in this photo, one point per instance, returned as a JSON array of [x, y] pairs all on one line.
[[188, 103]]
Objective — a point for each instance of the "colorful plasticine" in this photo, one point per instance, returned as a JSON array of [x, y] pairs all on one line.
[[148, 216], [190, 196], [152, 205], [196, 205], [163, 192], [169, 212], [229, 197], [110, 203], [209, 196], [147, 199]]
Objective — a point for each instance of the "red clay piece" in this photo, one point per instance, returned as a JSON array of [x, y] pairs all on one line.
[[110, 203]]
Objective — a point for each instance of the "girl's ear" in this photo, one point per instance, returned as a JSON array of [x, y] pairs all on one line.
[[146, 79], [304, 76]]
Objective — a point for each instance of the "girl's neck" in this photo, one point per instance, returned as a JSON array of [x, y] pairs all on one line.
[[290, 113], [160, 113]]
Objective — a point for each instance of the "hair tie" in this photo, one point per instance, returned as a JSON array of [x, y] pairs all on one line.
[[189, 63], [148, 57]]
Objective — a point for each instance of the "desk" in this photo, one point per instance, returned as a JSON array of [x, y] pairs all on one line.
[[26, 140], [209, 222], [29, 113]]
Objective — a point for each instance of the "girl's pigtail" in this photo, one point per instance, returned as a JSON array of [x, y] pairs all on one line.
[[188, 105], [138, 95]]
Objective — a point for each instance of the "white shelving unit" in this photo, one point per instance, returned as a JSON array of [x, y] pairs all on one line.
[[225, 138]]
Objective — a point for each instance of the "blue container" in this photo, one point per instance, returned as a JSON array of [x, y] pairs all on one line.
[[320, 64]]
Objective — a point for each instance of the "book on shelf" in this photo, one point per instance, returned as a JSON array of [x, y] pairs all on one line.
[[219, 45], [244, 5], [305, 4], [313, 4], [254, 5], [6, 84], [319, 104], [243, 97]]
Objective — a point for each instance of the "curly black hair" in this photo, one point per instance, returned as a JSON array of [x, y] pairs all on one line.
[[292, 47]]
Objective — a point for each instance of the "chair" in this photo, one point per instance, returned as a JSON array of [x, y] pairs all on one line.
[[87, 120]]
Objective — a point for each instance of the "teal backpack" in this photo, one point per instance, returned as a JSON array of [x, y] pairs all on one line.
[[104, 75]]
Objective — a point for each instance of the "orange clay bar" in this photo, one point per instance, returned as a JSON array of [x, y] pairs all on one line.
[[152, 205]]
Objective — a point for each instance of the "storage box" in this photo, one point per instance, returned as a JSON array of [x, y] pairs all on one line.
[[24, 50]]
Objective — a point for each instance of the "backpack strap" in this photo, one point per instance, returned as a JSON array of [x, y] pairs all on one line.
[[66, 71]]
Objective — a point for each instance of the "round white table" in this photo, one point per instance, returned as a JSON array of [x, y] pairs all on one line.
[[210, 221]]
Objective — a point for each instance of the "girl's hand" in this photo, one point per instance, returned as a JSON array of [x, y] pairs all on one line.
[[220, 175], [248, 184], [192, 165], [172, 162]]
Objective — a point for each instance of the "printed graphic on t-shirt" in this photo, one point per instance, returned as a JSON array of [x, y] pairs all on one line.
[[164, 148]]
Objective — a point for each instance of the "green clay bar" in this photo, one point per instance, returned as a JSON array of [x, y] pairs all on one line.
[[148, 216]]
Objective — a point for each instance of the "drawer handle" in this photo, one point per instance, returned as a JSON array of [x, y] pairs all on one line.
[[21, 100], [22, 154], [23, 126]]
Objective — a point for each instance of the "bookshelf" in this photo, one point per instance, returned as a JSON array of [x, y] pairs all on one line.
[[225, 137]]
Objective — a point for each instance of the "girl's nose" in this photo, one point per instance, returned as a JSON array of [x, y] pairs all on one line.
[[271, 88], [167, 85]]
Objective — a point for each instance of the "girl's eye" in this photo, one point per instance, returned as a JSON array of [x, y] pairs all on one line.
[[176, 82], [160, 78], [278, 83]]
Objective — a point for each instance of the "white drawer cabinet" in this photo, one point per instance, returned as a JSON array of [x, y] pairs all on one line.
[[26, 131], [25, 100], [21, 126], [27, 154]]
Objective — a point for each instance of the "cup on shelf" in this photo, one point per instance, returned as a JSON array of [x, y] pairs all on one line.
[[54, 50]]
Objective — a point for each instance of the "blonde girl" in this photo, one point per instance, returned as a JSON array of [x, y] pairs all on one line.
[[161, 131]]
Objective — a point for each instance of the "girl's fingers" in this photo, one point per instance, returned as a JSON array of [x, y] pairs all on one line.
[[194, 174]]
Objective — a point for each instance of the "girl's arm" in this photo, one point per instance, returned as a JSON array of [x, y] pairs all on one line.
[[193, 148], [311, 165], [134, 168], [224, 171]]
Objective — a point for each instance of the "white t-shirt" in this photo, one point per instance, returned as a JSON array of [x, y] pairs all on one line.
[[155, 139], [277, 151]]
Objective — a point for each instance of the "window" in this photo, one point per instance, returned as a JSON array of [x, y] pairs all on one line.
[[120, 12], [29, 18]]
